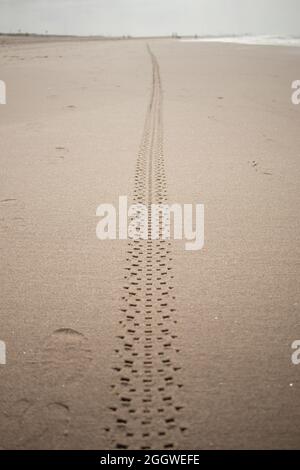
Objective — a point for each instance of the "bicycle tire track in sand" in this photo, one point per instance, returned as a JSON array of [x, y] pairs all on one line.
[[146, 400]]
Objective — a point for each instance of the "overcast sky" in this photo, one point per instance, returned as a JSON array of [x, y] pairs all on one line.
[[151, 17]]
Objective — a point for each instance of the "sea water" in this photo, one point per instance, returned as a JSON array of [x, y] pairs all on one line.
[[254, 40]]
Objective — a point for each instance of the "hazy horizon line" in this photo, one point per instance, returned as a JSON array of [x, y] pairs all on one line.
[[171, 36]]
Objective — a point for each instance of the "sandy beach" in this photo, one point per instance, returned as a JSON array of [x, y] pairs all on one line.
[[117, 345]]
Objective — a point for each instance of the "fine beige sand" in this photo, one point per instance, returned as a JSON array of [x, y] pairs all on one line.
[[112, 344]]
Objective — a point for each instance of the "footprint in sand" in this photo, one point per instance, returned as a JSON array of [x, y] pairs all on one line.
[[255, 165], [29, 424], [63, 361], [61, 150], [4, 201], [65, 358]]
